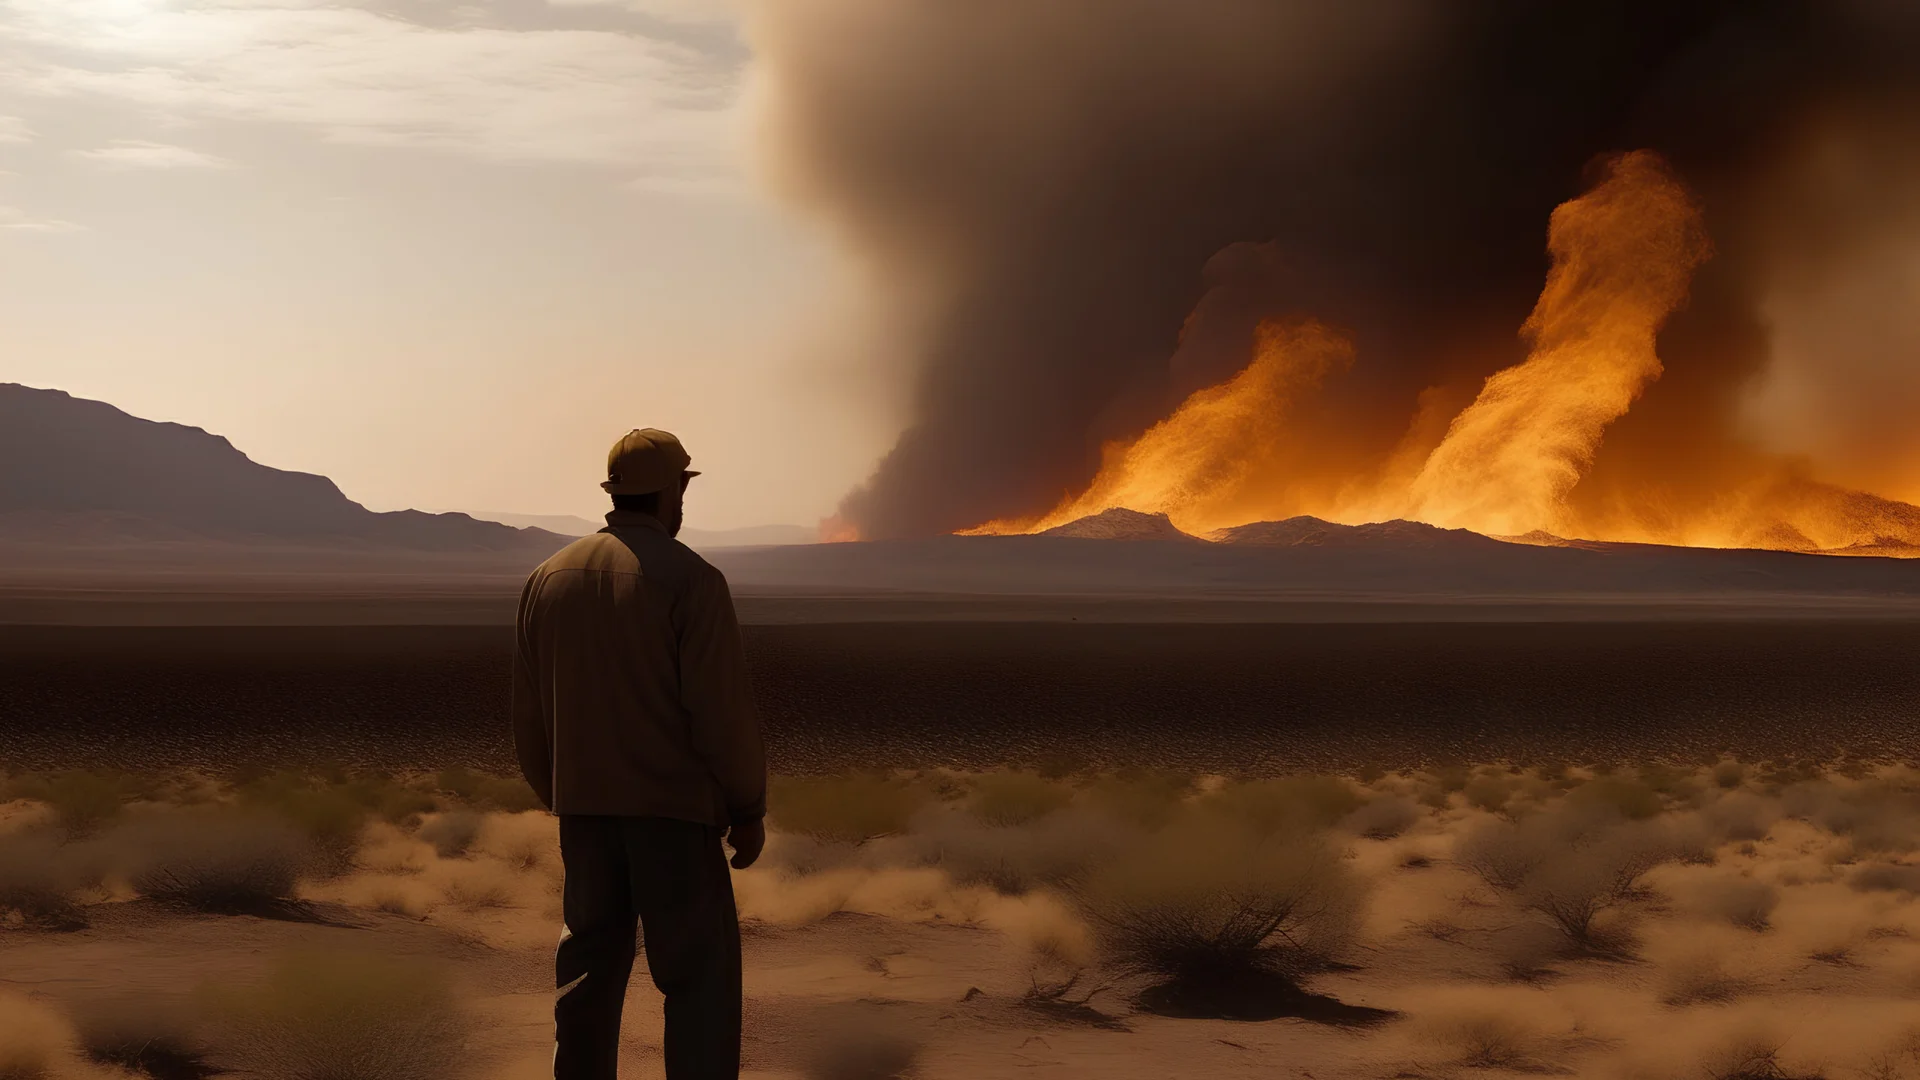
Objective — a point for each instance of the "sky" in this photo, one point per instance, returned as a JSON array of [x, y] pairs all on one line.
[[443, 253]]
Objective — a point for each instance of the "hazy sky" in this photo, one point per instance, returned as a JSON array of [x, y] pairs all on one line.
[[441, 252]]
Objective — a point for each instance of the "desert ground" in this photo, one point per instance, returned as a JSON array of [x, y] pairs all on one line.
[[985, 693], [1731, 920]]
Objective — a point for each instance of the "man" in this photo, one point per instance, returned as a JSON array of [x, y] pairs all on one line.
[[633, 723]]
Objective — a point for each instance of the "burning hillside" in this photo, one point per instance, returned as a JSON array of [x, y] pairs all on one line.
[[1235, 260], [1510, 463]]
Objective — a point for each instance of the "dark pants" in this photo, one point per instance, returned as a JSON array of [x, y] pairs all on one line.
[[670, 878]]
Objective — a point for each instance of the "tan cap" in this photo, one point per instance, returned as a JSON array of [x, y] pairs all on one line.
[[644, 461]]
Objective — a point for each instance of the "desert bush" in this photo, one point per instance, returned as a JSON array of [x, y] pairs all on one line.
[[221, 863], [36, 1043], [1504, 854], [1056, 850], [844, 809], [1573, 887], [1485, 1037], [335, 1016], [1289, 804], [1740, 816], [478, 886], [1526, 951], [37, 882], [1060, 765], [1886, 877], [452, 833], [1489, 791], [1699, 976], [1632, 799], [1748, 1056], [330, 817], [1729, 773], [1743, 902], [1199, 905], [146, 1037], [1383, 818], [509, 794], [1140, 797], [1016, 798], [82, 799]]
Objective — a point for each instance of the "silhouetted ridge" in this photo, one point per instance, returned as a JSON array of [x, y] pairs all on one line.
[[1120, 524], [83, 470], [1306, 531]]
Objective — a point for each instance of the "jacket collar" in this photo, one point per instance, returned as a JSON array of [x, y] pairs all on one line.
[[631, 519]]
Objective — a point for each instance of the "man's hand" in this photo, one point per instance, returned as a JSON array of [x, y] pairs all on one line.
[[746, 841]]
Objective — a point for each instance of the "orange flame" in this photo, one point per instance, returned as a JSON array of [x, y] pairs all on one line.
[[1623, 258], [1195, 465], [1623, 255]]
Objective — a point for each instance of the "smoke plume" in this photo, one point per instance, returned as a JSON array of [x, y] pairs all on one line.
[[1081, 212]]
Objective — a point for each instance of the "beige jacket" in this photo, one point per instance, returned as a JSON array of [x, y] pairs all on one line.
[[629, 695]]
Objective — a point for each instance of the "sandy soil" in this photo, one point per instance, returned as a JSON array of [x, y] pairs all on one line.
[[1792, 926]]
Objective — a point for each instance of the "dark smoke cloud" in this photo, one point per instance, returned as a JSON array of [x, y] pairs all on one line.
[[1051, 191]]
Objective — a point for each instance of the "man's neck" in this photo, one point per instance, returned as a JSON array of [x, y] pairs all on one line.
[[636, 519]]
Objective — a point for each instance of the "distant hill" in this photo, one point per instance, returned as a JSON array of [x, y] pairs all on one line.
[[1313, 532], [699, 539], [1120, 524], [75, 472]]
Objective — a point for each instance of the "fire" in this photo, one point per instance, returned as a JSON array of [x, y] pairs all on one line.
[[1508, 463], [838, 530], [1623, 256], [1195, 465]]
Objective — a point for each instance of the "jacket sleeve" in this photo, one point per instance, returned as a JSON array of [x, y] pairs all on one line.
[[713, 689], [532, 737]]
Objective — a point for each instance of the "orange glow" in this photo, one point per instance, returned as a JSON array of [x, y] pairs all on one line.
[[1623, 255], [838, 530], [1195, 465], [1511, 462]]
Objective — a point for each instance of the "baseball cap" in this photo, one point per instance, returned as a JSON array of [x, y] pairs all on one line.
[[644, 461]]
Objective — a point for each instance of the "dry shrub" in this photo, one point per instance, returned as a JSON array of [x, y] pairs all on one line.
[[484, 791], [36, 1043], [155, 1038], [1699, 976], [1748, 1056], [1574, 865], [1741, 816], [524, 841], [478, 886], [335, 1016], [1140, 797], [1741, 901], [330, 817], [1289, 804], [1485, 1036], [844, 809], [1056, 850], [1886, 877], [1876, 816], [452, 832], [1200, 906], [1010, 799], [1489, 791], [1526, 951], [1728, 773], [220, 863], [38, 879], [1383, 818], [82, 799], [1632, 799]]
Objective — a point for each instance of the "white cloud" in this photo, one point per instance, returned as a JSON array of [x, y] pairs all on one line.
[[702, 12], [14, 219], [14, 130], [355, 75], [137, 154]]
